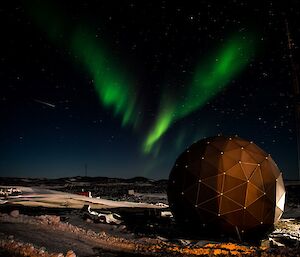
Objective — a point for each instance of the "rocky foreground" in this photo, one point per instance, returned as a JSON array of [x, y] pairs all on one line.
[[47, 235]]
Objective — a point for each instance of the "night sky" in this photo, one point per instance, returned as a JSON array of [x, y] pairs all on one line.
[[125, 86]]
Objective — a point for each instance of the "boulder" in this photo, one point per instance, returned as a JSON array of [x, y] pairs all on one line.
[[54, 219], [70, 253], [14, 213], [265, 244]]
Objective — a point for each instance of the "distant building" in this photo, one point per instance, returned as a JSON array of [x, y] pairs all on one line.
[[10, 191], [131, 192], [85, 193]]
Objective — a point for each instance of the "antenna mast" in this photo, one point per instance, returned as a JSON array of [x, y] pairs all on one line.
[[296, 88]]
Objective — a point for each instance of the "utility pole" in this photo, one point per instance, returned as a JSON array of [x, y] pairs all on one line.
[[296, 89]]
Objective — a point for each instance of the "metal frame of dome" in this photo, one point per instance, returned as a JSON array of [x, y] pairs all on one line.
[[228, 183]]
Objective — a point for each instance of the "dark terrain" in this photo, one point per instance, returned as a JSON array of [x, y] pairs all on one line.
[[142, 231]]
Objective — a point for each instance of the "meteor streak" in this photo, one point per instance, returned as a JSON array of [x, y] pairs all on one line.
[[119, 95], [114, 90], [45, 103]]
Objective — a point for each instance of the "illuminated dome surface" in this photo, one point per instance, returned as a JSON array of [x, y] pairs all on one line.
[[228, 185]]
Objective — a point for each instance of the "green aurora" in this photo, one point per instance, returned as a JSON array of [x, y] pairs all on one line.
[[114, 90], [210, 78], [118, 94]]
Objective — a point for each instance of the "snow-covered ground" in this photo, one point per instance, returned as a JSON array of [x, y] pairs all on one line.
[[35, 196], [285, 237]]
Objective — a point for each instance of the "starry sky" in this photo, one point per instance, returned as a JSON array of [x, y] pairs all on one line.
[[124, 87]]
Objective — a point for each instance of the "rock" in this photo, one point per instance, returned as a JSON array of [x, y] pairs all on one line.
[[49, 219], [55, 219], [14, 213], [90, 232], [70, 253], [160, 238], [265, 243], [57, 255], [10, 237], [43, 249], [202, 243], [122, 227]]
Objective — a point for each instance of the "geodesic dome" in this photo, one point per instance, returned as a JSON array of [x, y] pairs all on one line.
[[228, 184]]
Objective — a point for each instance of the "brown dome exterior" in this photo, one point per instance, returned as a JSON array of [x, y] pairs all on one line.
[[228, 184]]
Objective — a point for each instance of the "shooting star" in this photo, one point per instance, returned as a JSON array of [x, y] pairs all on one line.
[[45, 103]]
